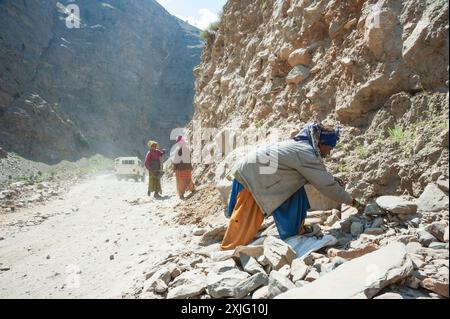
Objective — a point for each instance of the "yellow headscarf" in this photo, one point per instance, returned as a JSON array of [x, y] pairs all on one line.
[[150, 143]]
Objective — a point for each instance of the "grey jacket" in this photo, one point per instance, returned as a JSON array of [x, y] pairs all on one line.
[[273, 173]]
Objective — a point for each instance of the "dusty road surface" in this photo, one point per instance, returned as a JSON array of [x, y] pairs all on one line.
[[90, 243]]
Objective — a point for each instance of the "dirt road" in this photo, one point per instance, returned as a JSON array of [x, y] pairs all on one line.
[[90, 243]]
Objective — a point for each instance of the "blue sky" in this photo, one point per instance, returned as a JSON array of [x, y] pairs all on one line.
[[199, 13]]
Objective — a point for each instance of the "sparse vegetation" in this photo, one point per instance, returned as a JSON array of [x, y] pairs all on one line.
[[443, 125], [68, 170], [399, 135], [209, 33], [343, 166], [362, 151], [34, 178], [205, 35], [263, 4], [213, 26], [82, 141], [339, 146]]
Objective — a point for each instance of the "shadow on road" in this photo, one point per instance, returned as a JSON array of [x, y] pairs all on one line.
[[162, 197]]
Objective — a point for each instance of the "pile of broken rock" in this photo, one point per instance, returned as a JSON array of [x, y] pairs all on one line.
[[397, 249], [22, 194]]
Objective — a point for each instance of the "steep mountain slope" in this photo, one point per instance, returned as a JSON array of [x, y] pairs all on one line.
[[378, 68], [123, 77]]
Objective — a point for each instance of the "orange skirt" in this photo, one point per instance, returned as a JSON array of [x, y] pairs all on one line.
[[245, 222], [184, 181]]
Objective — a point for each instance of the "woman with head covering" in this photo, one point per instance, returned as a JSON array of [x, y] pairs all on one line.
[[153, 164], [183, 167], [271, 181]]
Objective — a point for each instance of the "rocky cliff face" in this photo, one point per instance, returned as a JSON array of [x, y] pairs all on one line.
[[379, 68], [123, 77]]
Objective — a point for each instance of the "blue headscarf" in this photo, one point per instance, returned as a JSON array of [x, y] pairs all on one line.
[[316, 133], [329, 138]]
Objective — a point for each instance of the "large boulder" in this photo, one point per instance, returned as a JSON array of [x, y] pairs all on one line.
[[373, 209], [437, 229], [433, 199], [278, 283], [354, 253], [160, 286], [195, 288], [441, 288], [278, 253], [427, 38], [357, 228], [187, 278], [348, 211], [443, 183], [425, 238], [190, 285], [298, 269], [298, 74], [363, 277], [223, 266], [161, 274], [188, 291], [235, 283], [214, 235], [223, 285], [299, 56], [251, 284], [396, 205], [250, 265], [312, 275]]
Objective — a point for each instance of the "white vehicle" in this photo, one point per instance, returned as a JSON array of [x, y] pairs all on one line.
[[129, 167]]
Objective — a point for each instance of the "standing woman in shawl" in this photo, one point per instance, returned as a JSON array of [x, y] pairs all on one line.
[[256, 195], [153, 164], [183, 167]]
